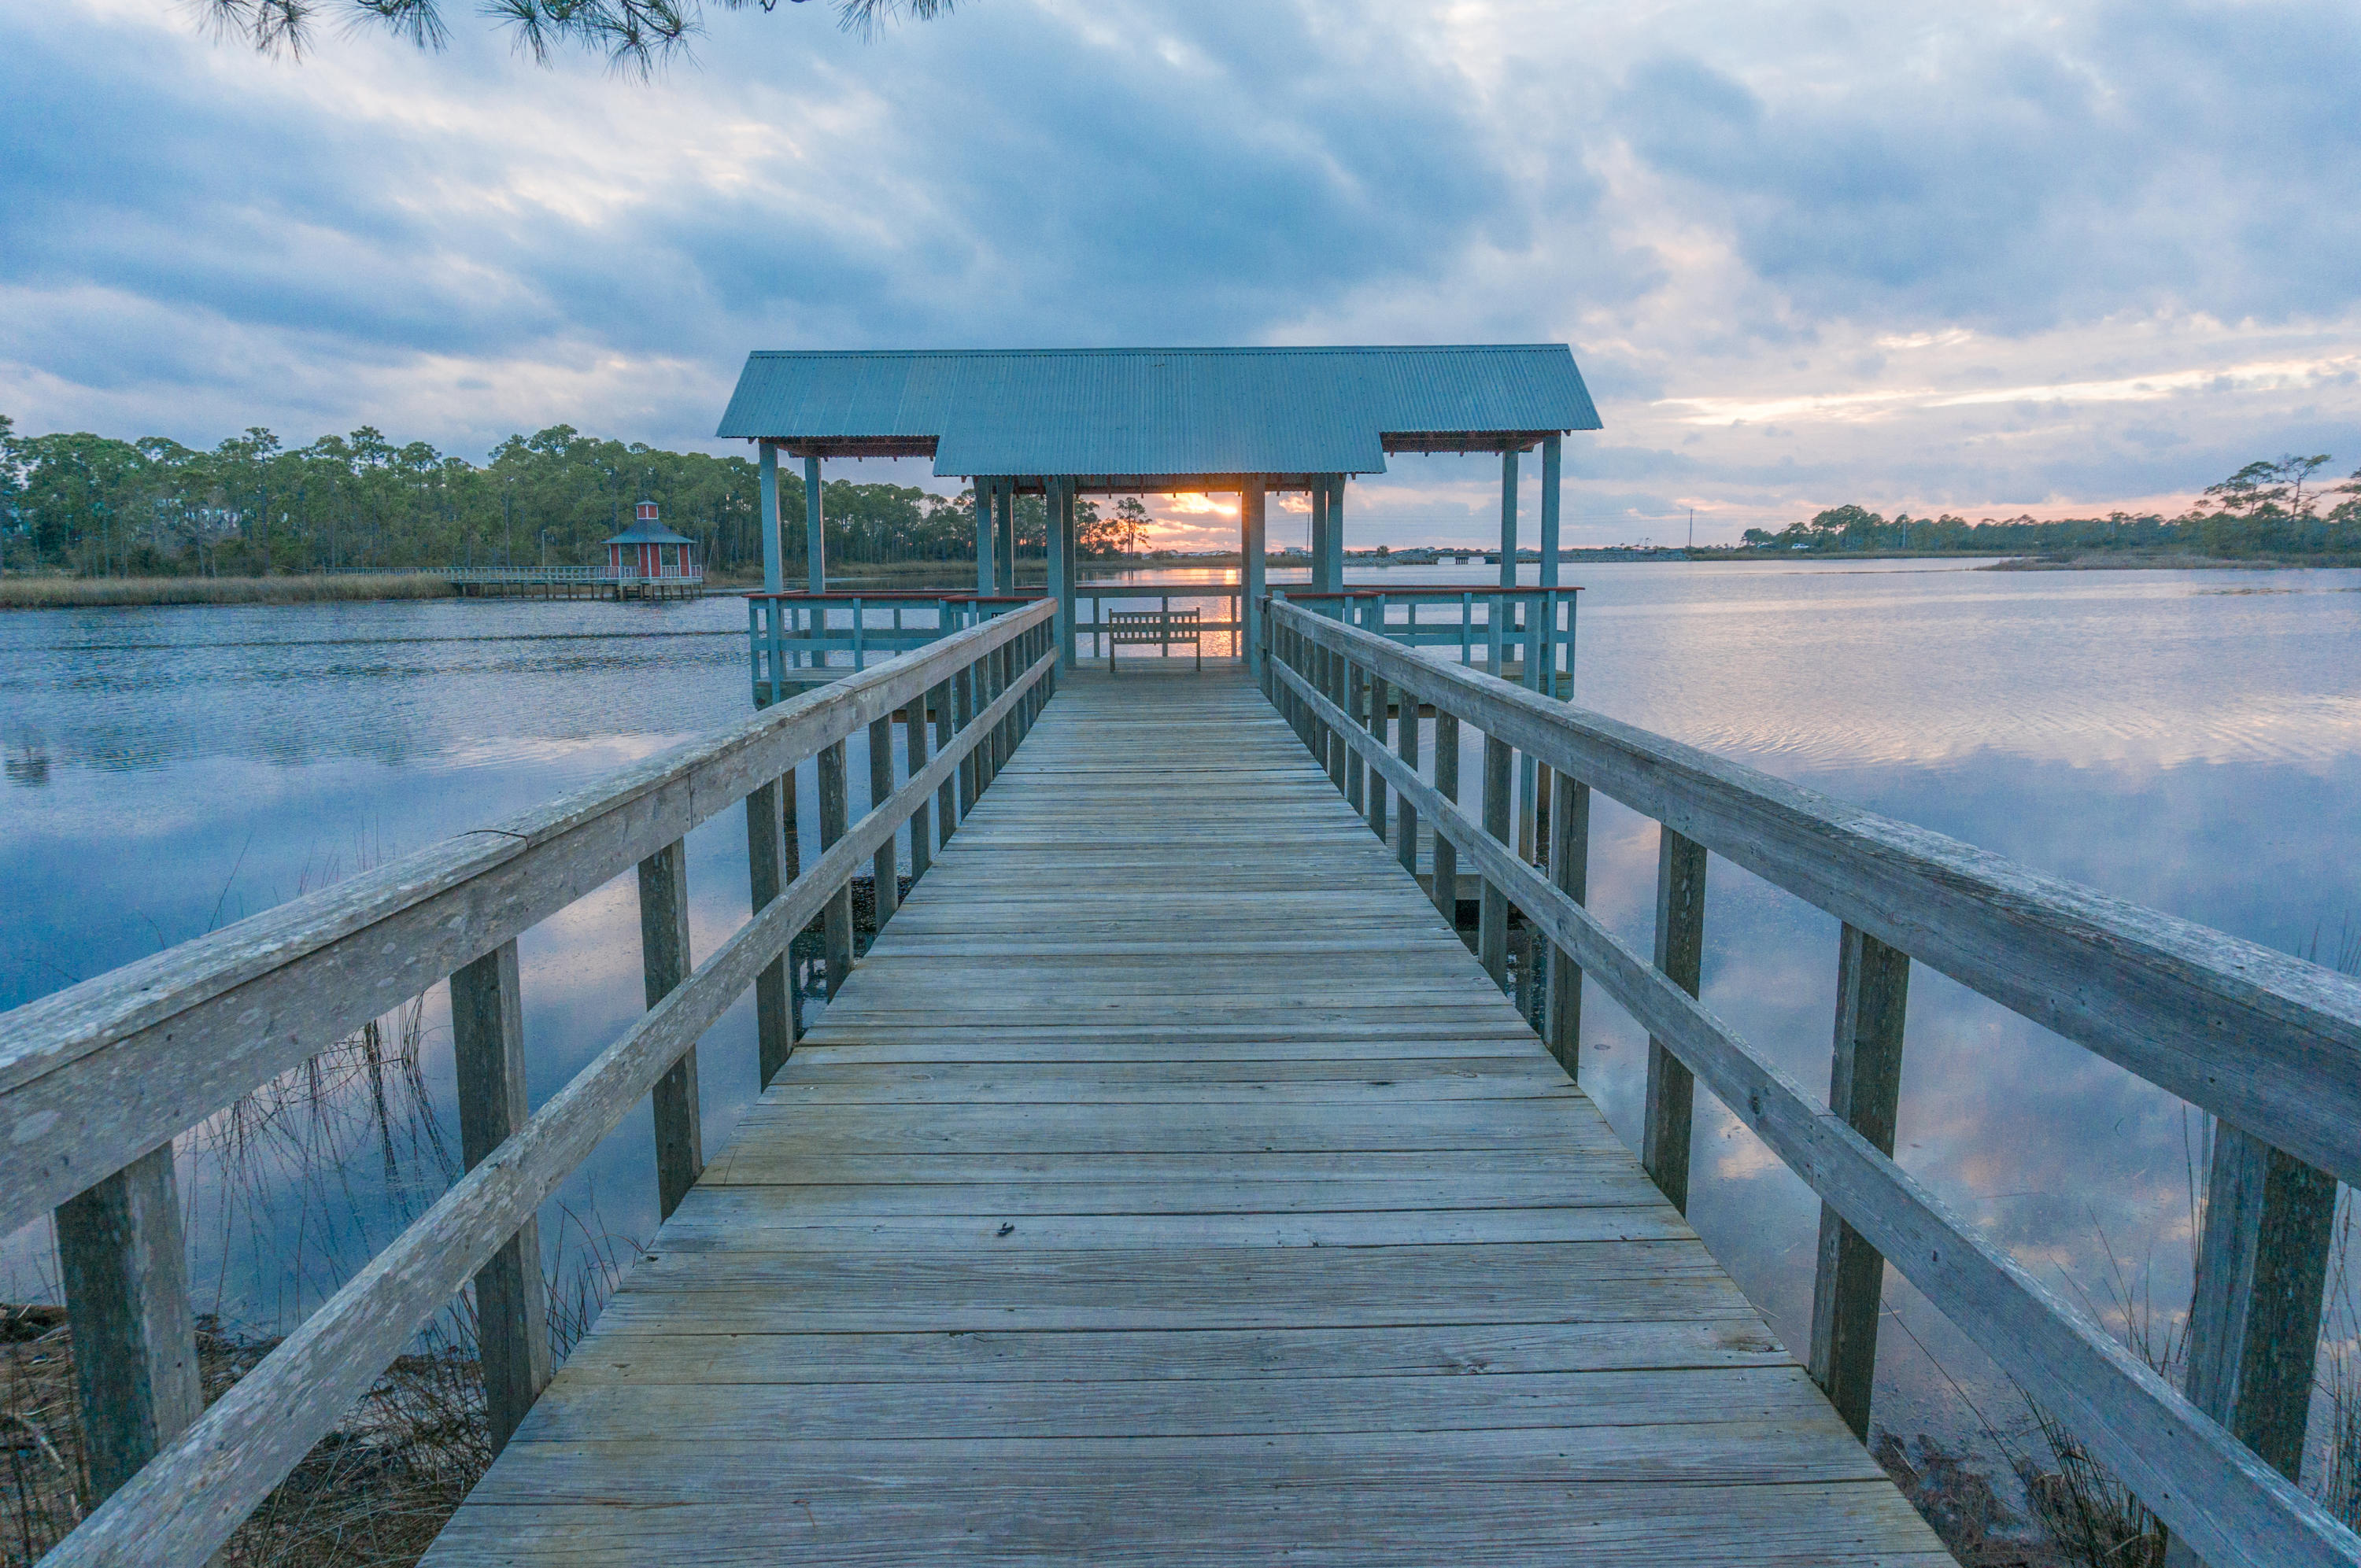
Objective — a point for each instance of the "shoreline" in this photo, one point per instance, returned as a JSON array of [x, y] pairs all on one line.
[[18, 592]]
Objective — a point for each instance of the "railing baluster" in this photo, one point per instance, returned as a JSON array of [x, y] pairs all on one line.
[[914, 745], [884, 866], [1378, 720], [1406, 747], [946, 797], [1446, 888], [2253, 1321], [1492, 916], [126, 1267], [770, 845], [1570, 867], [1865, 1089], [1334, 738], [665, 962], [1680, 947], [963, 710], [834, 789], [512, 1303], [1356, 694]]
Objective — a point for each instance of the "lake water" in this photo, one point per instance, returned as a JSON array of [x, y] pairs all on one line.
[[2190, 741]]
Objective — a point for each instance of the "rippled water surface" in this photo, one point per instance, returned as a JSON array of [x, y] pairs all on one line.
[[2191, 741]]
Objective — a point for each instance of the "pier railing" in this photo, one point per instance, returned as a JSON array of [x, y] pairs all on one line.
[[97, 1080], [2268, 1043]]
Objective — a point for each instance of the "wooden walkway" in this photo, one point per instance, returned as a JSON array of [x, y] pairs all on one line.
[[1169, 1185]]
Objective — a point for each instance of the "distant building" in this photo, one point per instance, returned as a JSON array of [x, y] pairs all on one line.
[[649, 554]]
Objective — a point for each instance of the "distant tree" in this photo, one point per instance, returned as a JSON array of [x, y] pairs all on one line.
[[1131, 520], [634, 34], [2266, 488], [1760, 538]]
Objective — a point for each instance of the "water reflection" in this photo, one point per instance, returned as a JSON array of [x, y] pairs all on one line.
[[2177, 739]]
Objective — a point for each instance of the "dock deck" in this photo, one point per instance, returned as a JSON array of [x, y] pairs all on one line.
[[1170, 1184]]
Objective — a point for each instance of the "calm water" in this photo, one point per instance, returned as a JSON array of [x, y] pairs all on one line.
[[2191, 741]]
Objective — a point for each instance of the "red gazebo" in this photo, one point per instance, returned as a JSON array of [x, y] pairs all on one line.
[[648, 558]]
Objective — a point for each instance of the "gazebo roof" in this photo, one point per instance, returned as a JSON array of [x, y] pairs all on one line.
[[650, 534], [1149, 413]]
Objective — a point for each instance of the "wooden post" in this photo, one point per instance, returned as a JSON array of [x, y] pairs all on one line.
[[815, 529], [1250, 576], [512, 1303], [1357, 695], [126, 1267], [1406, 747], [1062, 567], [1376, 780], [914, 742], [837, 925], [1492, 918], [963, 710], [1334, 738], [946, 797], [1569, 868], [884, 866], [766, 484], [1446, 889], [664, 961], [2253, 1321], [767, 852], [1680, 948], [1865, 1089], [986, 581]]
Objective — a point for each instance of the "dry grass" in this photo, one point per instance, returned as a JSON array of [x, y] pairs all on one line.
[[69, 593], [336, 1152]]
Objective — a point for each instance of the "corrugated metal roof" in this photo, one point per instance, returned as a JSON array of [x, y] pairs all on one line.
[[650, 534], [1157, 411]]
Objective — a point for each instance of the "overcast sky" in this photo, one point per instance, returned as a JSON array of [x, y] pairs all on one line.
[[1983, 259]]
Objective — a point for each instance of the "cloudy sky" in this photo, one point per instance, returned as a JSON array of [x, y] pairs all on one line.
[[1984, 259]]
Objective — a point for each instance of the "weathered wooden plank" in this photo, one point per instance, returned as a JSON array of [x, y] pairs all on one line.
[[884, 867]]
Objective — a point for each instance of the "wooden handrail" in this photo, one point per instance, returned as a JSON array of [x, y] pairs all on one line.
[[195, 1492], [2213, 1491], [97, 1080], [94, 1076], [2259, 1038]]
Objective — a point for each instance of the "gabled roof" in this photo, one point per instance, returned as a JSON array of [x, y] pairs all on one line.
[[650, 534], [1163, 412]]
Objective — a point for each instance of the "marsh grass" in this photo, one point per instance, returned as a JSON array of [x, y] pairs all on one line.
[[69, 593], [299, 1184]]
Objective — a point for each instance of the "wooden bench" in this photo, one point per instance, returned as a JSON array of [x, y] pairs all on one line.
[[1138, 627]]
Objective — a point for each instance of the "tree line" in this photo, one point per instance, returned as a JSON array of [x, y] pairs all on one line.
[[252, 506], [2271, 507]]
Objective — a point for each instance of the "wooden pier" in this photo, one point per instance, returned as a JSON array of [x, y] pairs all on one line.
[[1169, 1181], [1158, 1193]]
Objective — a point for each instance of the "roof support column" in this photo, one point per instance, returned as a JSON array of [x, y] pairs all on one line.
[[1005, 557], [815, 529], [1335, 568], [767, 468], [1552, 454], [1319, 497], [1251, 554], [1060, 501], [985, 579]]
